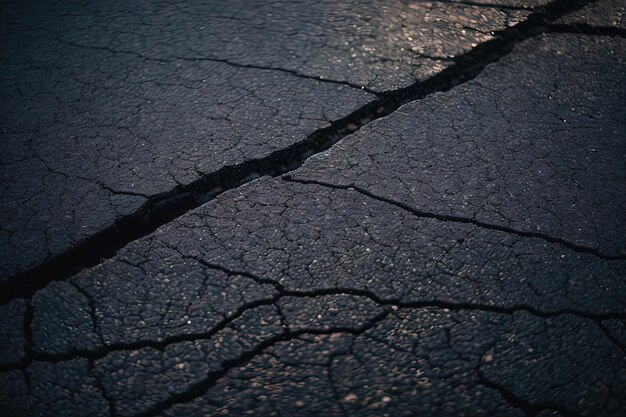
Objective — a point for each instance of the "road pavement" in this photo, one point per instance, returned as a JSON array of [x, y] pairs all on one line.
[[313, 208]]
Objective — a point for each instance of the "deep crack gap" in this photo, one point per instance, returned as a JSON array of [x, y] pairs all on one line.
[[163, 208]]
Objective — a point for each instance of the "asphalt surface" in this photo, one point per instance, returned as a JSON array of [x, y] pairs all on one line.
[[313, 208]]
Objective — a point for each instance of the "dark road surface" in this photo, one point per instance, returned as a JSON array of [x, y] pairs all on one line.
[[313, 208]]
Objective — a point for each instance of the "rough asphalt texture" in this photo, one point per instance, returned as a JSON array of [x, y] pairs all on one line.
[[439, 228]]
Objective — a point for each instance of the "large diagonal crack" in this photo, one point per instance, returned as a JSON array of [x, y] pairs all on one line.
[[163, 208], [461, 219]]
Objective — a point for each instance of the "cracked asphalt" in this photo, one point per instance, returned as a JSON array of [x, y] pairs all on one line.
[[313, 208]]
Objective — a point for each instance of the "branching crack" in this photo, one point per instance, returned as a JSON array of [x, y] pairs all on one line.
[[92, 309], [101, 388], [232, 63], [286, 71], [197, 389], [390, 306], [460, 219], [610, 335], [528, 408], [388, 303]]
